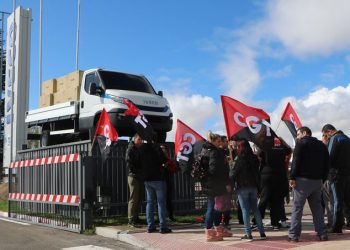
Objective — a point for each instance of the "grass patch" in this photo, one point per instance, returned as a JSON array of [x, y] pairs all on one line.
[[183, 218], [3, 206], [90, 231]]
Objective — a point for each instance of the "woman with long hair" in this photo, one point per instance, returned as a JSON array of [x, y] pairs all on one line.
[[246, 177], [215, 183]]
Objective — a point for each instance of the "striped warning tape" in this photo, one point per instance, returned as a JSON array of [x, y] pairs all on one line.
[[45, 161], [53, 198]]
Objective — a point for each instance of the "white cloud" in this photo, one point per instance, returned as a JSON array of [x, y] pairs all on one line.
[[310, 27], [318, 108], [193, 110], [240, 73], [299, 28]]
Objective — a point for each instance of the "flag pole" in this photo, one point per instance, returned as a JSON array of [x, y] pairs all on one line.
[[40, 46], [93, 142], [278, 125], [77, 37]]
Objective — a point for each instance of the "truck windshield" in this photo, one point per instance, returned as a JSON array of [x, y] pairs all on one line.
[[123, 81]]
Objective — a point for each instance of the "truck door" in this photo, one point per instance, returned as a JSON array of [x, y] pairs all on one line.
[[90, 103]]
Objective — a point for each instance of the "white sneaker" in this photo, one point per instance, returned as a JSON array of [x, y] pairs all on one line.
[[284, 224]]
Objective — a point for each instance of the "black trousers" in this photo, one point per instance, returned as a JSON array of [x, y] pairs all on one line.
[[341, 190], [272, 194]]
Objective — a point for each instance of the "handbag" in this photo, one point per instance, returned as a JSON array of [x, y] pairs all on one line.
[[223, 202]]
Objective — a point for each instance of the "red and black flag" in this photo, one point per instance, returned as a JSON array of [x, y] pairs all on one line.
[[187, 144], [139, 121], [105, 134], [250, 123], [291, 119]]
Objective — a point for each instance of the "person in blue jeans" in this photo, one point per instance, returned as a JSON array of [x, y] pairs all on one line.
[[245, 174], [215, 183], [339, 173], [152, 159]]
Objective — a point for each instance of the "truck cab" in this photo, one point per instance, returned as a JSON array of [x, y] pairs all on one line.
[[106, 89]]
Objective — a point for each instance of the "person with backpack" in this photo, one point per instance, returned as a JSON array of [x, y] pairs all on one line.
[[215, 182], [246, 176]]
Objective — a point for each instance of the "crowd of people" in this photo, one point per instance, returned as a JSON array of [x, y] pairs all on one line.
[[255, 179]]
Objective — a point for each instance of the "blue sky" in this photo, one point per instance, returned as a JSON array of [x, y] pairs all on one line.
[[263, 53]]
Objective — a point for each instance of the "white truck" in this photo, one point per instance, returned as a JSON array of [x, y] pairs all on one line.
[[102, 89]]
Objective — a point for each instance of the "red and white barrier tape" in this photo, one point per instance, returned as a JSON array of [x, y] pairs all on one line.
[[45, 161], [54, 198]]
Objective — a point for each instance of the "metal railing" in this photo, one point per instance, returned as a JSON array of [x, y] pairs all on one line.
[[65, 186], [46, 186]]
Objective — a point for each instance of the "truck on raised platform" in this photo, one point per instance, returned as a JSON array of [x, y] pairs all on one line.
[[76, 118]]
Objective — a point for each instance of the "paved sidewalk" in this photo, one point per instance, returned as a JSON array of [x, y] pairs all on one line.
[[192, 237]]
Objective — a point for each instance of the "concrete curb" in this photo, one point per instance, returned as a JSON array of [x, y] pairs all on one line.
[[3, 214], [123, 236]]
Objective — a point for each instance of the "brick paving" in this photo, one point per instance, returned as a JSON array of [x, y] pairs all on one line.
[[193, 238]]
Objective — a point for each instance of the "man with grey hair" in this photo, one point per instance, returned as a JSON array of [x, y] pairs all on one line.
[[309, 168]]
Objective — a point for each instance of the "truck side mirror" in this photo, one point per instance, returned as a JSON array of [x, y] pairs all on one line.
[[92, 89], [160, 93]]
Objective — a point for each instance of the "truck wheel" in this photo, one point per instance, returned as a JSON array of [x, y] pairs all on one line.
[[161, 136], [45, 138]]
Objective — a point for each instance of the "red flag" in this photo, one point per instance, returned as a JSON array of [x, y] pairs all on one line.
[[187, 141], [245, 122], [105, 134], [139, 121], [132, 109], [291, 119]]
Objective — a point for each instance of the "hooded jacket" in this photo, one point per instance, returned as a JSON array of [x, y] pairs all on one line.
[[245, 169], [217, 178]]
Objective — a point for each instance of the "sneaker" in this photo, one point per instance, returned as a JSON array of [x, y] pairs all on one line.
[[247, 238], [323, 237], [284, 224], [292, 239], [263, 236], [131, 223], [165, 231], [151, 230]]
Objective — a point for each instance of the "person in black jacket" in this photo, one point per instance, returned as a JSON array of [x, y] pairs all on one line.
[[274, 181], [339, 173], [135, 179], [152, 159], [215, 183], [246, 177], [309, 168]]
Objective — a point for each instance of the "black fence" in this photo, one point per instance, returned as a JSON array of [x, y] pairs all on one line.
[[66, 186], [112, 186]]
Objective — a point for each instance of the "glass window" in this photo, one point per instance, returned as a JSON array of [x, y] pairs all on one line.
[[123, 81], [91, 78]]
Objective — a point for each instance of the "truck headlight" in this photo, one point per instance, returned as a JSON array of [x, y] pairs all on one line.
[[117, 98]]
